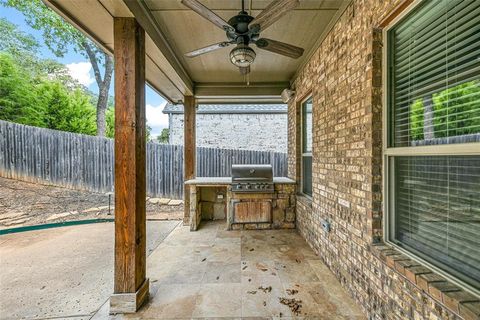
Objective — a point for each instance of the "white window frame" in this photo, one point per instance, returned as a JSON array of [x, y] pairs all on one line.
[[302, 154], [389, 153]]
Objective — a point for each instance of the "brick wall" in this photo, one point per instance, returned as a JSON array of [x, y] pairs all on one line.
[[344, 78], [265, 132]]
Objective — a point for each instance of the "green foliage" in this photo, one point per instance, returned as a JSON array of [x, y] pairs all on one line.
[[164, 136], [110, 119], [416, 120], [456, 112], [59, 36], [41, 102], [15, 41], [17, 94], [66, 111], [57, 33], [23, 48]]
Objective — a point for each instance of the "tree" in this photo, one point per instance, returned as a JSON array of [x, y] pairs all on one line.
[[164, 136], [110, 118], [41, 101], [16, 42], [17, 94], [24, 48], [456, 110], [59, 35], [65, 110]]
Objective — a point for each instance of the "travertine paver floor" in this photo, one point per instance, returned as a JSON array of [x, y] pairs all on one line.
[[213, 273]]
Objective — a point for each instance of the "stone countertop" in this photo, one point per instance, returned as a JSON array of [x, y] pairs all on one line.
[[228, 180]]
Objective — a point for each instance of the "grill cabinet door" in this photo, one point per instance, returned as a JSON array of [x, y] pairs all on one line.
[[252, 211]]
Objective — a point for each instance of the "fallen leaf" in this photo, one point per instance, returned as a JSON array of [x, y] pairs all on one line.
[[265, 289], [292, 292]]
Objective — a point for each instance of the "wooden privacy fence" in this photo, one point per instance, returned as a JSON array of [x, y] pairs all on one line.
[[86, 162]]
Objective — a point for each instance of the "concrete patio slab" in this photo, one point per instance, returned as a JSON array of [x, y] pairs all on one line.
[[62, 272], [217, 274]]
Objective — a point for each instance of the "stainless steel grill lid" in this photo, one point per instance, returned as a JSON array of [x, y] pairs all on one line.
[[252, 172]]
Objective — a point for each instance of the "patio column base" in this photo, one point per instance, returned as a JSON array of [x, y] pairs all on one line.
[[129, 302]]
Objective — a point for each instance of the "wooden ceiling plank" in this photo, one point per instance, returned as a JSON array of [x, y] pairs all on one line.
[[148, 22]]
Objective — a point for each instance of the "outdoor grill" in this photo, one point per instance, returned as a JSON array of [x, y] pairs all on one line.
[[252, 178]]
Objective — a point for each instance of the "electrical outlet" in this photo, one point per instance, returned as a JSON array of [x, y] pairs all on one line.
[[325, 225]]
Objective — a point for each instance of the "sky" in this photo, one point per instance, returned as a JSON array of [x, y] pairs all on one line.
[[80, 69]]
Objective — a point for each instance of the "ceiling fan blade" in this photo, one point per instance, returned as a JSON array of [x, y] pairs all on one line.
[[207, 49], [207, 14], [274, 11], [280, 47]]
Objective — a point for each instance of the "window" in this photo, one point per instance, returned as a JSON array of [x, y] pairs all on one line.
[[307, 147], [433, 137]]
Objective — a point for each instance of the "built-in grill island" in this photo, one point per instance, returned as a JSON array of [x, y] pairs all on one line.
[[251, 199]]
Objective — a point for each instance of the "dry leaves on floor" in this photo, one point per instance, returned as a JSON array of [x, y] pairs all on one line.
[[294, 305], [265, 289], [292, 292]]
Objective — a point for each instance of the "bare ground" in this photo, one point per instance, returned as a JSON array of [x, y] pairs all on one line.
[[26, 204]]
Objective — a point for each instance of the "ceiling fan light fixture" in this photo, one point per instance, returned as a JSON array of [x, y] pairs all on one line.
[[242, 56]]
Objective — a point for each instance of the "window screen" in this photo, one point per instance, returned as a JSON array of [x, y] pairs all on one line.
[[435, 74]]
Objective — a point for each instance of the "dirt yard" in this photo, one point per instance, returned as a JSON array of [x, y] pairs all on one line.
[[26, 204]]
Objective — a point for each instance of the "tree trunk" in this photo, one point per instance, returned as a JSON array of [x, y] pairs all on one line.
[[101, 110], [103, 85], [102, 102]]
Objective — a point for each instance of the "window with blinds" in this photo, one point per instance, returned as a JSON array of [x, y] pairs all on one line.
[[437, 211], [307, 132], [435, 74], [433, 90]]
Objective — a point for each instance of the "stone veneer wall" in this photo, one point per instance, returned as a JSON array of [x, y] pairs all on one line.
[[265, 132], [344, 77]]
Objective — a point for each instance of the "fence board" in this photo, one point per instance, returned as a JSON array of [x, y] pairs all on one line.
[[85, 162]]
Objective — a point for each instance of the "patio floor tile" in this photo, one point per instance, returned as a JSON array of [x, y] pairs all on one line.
[[217, 274]]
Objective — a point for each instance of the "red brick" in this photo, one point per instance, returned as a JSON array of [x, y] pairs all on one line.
[[413, 272], [393, 258], [344, 78], [402, 264], [424, 280], [470, 310], [436, 289], [452, 299]]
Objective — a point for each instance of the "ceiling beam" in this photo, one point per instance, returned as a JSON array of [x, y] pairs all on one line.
[[212, 92], [151, 27], [236, 10]]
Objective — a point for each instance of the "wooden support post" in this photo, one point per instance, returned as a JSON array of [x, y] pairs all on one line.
[[130, 284], [189, 153]]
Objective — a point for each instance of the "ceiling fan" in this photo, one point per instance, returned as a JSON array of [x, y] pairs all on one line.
[[243, 30]]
